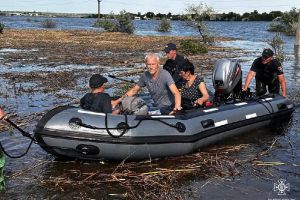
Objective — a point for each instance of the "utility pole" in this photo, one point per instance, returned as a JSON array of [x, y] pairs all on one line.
[[99, 8]]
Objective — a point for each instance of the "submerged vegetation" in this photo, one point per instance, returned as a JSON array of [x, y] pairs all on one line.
[[1, 28], [48, 23], [277, 44], [287, 23], [164, 26], [150, 179], [121, 23], [196, 18], [106, 24], [192, 47]]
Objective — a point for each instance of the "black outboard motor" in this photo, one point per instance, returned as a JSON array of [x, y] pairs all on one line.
[[227, 81]]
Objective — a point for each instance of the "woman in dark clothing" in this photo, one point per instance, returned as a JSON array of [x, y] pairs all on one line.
[[97, 100], [194, 92]]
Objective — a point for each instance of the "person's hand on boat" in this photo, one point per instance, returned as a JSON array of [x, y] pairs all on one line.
[[116, 103], [198, 102], [244, 88], [175, 110]]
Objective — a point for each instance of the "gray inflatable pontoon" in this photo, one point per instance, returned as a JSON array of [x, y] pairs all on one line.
[[74, 132]]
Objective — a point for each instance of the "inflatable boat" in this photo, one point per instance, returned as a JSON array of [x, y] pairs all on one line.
[[70, 131]]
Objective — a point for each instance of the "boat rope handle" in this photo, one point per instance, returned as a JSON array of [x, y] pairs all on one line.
[[18, 156], [24, 133], [260, 102], [124, 125]]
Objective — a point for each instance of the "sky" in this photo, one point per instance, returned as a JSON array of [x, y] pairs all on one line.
[[143, 6]]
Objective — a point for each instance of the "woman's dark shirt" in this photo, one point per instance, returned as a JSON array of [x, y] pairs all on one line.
[[193, 92]]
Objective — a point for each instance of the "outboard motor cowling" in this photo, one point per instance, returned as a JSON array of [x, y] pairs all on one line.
[[227, 80]]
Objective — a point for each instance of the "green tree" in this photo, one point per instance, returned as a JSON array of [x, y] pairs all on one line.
[[150, 15], [231, 16], [287, 23], [121, 23], [275, 14], [290, 20], [254, 16], [277, 44], [125, 22], [164, 26], [160, 16], [197, 13]]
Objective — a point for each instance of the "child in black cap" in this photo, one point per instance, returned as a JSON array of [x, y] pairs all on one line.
[[97, 100]]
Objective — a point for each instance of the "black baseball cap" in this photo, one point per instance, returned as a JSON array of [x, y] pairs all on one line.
[[97, 80], [170, 47], [267, 53]]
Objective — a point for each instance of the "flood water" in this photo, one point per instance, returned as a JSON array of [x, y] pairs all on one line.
[[39, 175]]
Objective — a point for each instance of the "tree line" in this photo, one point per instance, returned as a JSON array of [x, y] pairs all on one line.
[[231, 16]]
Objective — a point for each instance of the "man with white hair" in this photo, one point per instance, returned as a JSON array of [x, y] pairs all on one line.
[[160, 85]]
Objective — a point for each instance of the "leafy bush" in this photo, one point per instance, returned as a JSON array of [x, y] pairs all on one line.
[[277, 44], [192, 47], [287, 24], [125, 22], [122, 23], [197, 14], [48, 23], [108, 25], [276, 27], [1, 27], [164, 25]]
